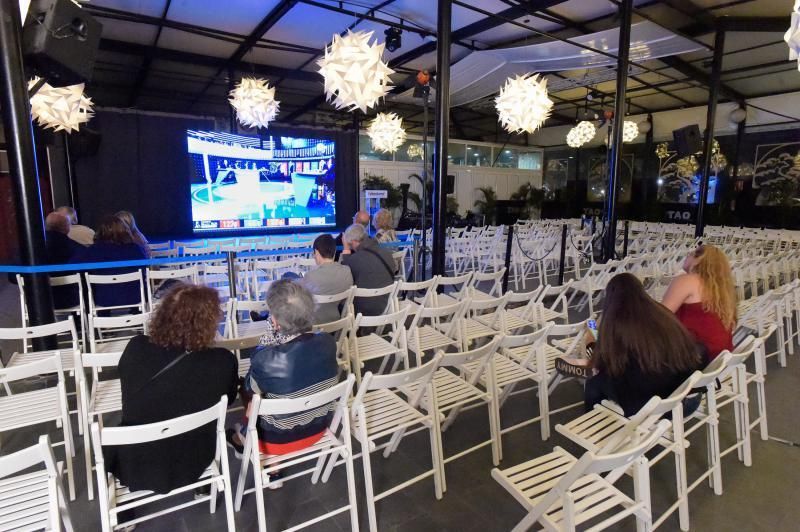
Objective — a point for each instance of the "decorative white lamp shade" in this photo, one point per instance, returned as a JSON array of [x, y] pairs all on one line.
[[792, 36], [738, 115], [386, 132], [581, 134], [254, 102], [630, 130], [645, 127], [62, 108], [355, 75], [523, 105], [415, 151]]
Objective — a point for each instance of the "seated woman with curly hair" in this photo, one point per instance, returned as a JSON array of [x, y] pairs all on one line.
[[173, 371], [384, 226]]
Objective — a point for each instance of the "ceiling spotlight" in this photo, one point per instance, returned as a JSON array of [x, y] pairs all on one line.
[[738, 115], [394, 39]]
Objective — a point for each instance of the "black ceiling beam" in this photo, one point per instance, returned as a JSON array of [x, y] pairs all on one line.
[[471, 30], [757, 24], [272, 18], [167, 54], [313, 103], [144, 68], [699, 75]]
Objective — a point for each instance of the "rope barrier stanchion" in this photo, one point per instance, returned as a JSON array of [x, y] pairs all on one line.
[[625, 240], [415, 253], [232, 284], [509, 243], [563, 257]]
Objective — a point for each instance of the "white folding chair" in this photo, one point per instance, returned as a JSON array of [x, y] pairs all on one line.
[[108, 280], [381, 415], [237, 344], [443, 329], [33, 500], [389, 292], [484, 317], [494, 281], [102, 396], [379, 343], [343, 301], [110, 334], [412, 295], [155, 278], [334, 446], [240, 321], [561, 492], [341, 330], [115, 498], [458, 285], [42, 406]]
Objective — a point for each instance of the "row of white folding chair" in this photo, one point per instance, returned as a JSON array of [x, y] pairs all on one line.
[[33, 499], [758, 313]]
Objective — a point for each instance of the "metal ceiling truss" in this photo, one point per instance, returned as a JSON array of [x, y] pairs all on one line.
[[144, 68]]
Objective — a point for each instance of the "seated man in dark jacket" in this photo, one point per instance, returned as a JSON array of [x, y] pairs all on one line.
[[292, 362], [59, 246], [372, 266]]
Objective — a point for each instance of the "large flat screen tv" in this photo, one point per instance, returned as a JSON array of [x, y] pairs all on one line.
[[241, 183]]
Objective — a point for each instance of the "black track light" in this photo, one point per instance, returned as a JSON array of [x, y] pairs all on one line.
[[394, 39]]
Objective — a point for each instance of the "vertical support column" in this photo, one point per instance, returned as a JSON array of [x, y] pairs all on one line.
[[442, 133], [16, 111], [231, 112], [713, 95], [650, 171], [615, 146], [737, 158], [424, 193]]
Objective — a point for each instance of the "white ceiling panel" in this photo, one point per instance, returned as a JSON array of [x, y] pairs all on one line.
[[309, 26], [788, 80], [150, 8], [279, 58], [760, 8], [128, 31], [582, 10], [511, 32]]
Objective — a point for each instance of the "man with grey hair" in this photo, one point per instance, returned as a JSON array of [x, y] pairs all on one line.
[[79, 233], [372, 266], [292, 362]]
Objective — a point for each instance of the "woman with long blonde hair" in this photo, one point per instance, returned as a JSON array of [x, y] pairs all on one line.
[[704, 299]]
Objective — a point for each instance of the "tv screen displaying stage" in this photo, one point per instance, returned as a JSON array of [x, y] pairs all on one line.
[[249, 183]]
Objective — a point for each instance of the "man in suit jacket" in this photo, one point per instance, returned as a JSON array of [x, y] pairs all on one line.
[[327, 279], [59, 246], [371, 265]]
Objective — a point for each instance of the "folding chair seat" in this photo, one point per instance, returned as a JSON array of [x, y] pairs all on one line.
[[377, 342], [215, 275], [239, 320], [41, 406], [456, 390], [67, 300], [442, 331], [483, 318], [561, 492], [334, 447], [102, 396], [380, 419], [756, 314], [155, 278], [478, 283], [33, 500], [112, 334], [341, 330], [116, 498], [521, 315], [558, 310], [400, 260]]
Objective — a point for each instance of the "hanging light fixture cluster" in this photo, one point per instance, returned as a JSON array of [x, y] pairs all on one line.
[[386, 132], [630, 130], [356, 76], [60, 108], [523, 105], [581, 134], [792, 36], [254, 102], [415, 151]]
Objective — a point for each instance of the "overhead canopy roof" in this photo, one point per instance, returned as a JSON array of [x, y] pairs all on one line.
[[180, 55]]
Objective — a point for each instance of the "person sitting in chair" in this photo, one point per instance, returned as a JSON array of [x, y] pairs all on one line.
[[372, 267]]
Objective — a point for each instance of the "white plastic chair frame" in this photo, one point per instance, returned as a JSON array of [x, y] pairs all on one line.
[[118, 330], [444, 329], [389, 290], [343, 299], [549, 487], [380, 344], [217, 476], [341, 330], [189, 274], [33, 500], [379, 412], [41, 406], [111, 279], [334, 446]]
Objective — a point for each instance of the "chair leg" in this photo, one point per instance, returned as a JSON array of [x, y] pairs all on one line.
[[747, 455], [367, 466], [436, 459], [87, 454], [351, 489], [544, 410], [682, 488], [495, 433], [641, 489], [243, 476]]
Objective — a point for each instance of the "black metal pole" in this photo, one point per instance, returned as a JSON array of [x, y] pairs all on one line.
[[441, 133], [509, 244], [713, 94], [232, 277], [424, 219], [16, 112], [563, 257], [625, 240], [614, 162], [231, 112]]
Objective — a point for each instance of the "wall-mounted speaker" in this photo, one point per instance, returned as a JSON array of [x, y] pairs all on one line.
[[60, 41], [688, 140]]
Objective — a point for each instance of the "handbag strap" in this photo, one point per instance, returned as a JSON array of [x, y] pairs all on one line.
[[173, 362], [388, 269]]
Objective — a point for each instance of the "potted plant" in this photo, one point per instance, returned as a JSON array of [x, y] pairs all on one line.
[[394, 197], [488, 205]]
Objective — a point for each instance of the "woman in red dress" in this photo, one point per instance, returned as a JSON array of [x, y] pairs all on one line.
[[704, 299]]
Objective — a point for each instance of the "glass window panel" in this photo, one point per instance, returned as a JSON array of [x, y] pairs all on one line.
[[366, 153], [479, 155], [506, 158], [455, 153], [531, 160]]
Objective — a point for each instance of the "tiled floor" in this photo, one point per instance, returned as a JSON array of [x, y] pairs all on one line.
[[762, 497]]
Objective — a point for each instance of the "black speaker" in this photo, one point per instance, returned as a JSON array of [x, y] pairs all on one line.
[[60, 41], [450, 185], [688, 140]]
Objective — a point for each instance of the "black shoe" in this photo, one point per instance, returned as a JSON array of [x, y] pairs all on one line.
[[257, 316], [275, 480], [238, 448]]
